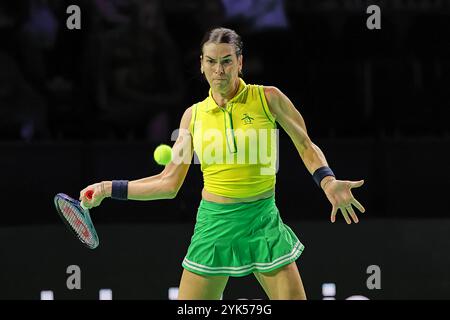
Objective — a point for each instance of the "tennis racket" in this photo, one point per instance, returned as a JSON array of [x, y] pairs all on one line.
[[77, 218]]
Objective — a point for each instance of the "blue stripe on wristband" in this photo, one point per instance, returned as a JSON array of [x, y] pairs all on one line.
[[321, 173], [119, 190]]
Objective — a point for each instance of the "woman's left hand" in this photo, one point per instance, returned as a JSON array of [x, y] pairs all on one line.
[[339, 194]]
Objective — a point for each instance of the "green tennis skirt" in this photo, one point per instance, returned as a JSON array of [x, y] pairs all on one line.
[[240, 238]]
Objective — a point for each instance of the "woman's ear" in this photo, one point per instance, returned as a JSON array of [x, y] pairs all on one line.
[[240, 64]]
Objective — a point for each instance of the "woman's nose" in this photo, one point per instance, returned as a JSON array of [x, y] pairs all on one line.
[[219, 69]]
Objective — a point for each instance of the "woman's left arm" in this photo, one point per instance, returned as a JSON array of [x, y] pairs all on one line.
[[338, 192]]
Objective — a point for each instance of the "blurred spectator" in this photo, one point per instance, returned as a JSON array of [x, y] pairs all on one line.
[[111, 13], [138, 75], [23, 109], [206, 14], [12, 16], [41, 24], [23, 113], [263, 24], [37, 39], [47, 54], [209, 14], [257, 15]]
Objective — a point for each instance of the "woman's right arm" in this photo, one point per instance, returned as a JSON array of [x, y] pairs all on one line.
[[164, 185]]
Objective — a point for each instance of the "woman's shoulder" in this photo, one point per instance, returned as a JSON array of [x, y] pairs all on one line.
[[268, 90], [272, 94], [186, 118], [271, 91]]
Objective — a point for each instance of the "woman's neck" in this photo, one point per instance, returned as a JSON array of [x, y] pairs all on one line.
[[222, 97]]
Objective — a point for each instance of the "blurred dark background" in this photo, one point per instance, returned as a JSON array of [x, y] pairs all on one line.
[[81, 106], [133, 68]]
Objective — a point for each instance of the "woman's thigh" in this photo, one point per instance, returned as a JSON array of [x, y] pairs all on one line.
[[198, 287], [283, 283]]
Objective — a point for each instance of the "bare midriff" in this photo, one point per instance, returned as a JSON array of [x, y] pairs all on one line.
[[221, 199]]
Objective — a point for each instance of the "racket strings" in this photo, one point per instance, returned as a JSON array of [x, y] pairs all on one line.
[[76, 221]]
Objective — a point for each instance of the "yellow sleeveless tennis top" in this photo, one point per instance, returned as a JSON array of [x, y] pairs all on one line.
[[236, 145]]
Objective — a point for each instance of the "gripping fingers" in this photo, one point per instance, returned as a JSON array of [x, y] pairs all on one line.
[[83, 206], [85, 202], [81, 195], [86, 198]]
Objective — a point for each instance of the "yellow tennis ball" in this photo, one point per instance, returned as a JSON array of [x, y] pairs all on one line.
[[163, 154]]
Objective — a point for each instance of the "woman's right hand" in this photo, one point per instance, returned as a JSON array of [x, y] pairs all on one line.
[[97, 197]]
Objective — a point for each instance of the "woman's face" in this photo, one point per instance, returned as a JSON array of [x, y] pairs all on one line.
[[220, 65]]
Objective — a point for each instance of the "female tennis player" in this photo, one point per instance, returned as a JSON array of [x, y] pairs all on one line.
[[238, 229]]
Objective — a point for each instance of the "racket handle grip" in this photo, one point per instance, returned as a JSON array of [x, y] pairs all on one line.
[[88, 195]]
